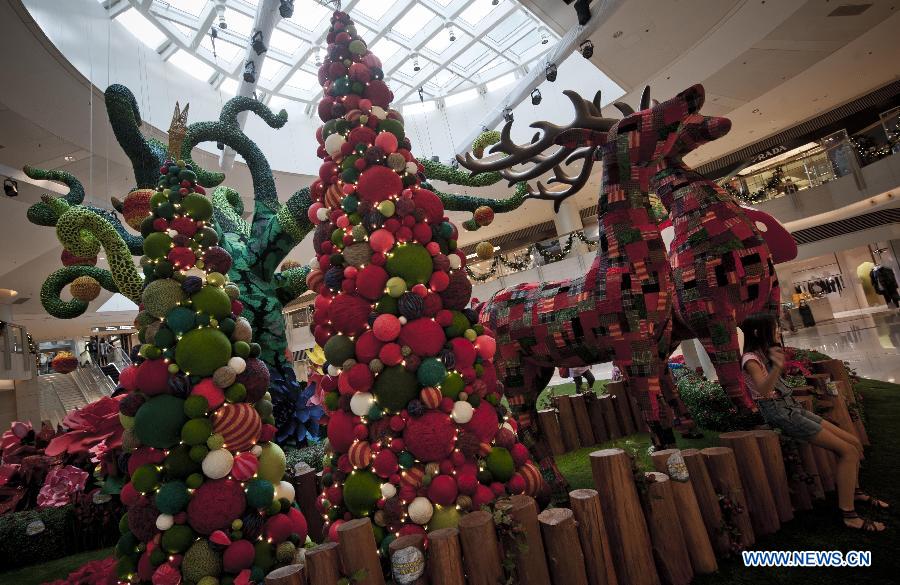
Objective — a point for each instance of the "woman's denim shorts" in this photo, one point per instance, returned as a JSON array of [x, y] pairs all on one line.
[[793, 420]]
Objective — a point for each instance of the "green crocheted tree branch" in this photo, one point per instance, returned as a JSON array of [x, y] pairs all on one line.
[[146, 154], [57, 281], [227, 209], [291, 283]]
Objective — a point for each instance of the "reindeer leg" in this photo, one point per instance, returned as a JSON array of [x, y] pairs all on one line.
[[720, 340]]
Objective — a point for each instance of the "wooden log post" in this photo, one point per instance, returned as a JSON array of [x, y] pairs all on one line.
[[598, 425], [696, 537], [752, 471], [445, 565], [306, 490], [567, 423], [323, 564], [550, 428], [770, 448], [616, 391], [359, 551], [564, 555], [582, 420], [723, 472], [808, 460], [628, 536], [636, 415], [838, 373], [531, 566], [802, 391], [289, 575], [840, 414], [594, 540], [481, 551], [609, 416], [407, 554], [819, 382], [707, 500], [670, 551]]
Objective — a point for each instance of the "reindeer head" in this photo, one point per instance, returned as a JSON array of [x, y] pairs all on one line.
[[670, 129], [580, 140]]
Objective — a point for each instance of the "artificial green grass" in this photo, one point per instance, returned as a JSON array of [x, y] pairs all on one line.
[[543, 400], [818, 529], [53, 570]]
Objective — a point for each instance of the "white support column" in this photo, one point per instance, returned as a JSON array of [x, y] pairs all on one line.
[[568, 220]]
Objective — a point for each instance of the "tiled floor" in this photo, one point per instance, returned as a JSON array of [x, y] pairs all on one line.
[[870, 343]]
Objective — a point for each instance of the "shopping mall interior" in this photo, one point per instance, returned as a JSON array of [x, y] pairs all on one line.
[[449, 291]]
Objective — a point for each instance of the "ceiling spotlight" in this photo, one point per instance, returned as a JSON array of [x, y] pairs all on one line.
[[454, 164], [68, 158], [10, 187], [257, 43], [220, 11], [544, 38], [451, 32], [286, 9], [250, 72], [507, 115], [416, 66], [536, 97], [587, 49], [421, 95], [222, 24], [494, 3], [550, 71]]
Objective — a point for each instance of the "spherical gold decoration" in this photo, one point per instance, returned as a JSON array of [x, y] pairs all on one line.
[[484, 250], [85, 288]]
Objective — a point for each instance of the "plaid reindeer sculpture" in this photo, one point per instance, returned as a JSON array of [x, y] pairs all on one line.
[[722, 266], [619, 311]]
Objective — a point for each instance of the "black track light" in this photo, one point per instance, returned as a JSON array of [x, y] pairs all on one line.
[[250, 72], [550, 72], [421, 95], [508, 115], [536, 97], [587, 49], [257, 43], [10, 187], [286, 9], [416, 66]]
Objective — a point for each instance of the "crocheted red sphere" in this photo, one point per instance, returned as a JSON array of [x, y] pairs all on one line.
[[341, 430], [463, 351], [207, 389], [153, 377], [367, 347], [278, 528], [484, 423], [184, 225], [377, 91], [430, 437], [238, 556], [466, 483], [377, 183], [385, 463], [519, 454], [443, 490], [128, 378], [483, 495], [424, 336], [361, 135], [386, 327], [181, 257], [370, 282], [129, 495], [256, 378], [433, 304], [349, 314], [214, 505], [458, 292], [142, 520], [430, 203], [516, 484], [217, 259], [144, 455], [359, 377]]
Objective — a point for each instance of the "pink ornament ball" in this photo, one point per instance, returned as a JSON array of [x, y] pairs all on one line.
[[152, 377], [128, 378], [381, 240], [486, 346], [439, 281], [387, 142], [387, 327], [443, 490], [245, 466]]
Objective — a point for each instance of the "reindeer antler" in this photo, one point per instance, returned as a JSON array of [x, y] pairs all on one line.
[[576, 141], [645, 103]]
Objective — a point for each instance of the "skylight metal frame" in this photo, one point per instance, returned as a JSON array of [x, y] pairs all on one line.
[[168, 18]]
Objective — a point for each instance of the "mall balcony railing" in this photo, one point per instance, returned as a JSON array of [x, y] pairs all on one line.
[[16, 359]]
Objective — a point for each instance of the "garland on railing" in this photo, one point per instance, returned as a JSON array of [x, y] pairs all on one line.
[[523, 260]]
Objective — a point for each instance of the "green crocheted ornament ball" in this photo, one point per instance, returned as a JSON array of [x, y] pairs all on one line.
[[161, 296], [157, 245], [395, 387], [172, 497], [197, 206], [177, 539], [200, 561], [500, 463], [411, 262], [361, 490], [158, 421], [201, 351], [260, 493], [196, 431], [338, 349], [212, 301]]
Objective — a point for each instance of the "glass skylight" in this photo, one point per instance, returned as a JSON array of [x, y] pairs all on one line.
[[506, 38]]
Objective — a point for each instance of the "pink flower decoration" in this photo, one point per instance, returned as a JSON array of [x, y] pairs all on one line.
[[60, 485], [94, 423], [167, 574]]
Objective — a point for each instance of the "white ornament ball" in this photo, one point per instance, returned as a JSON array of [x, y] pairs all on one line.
[[402, 320], [361, 403], [171, 233], [412, 167], [165, 521], [238, 364], [388, 491], [314, 262], [322, 214], [333, 144], [455, 262], [420, 510], [509, 427], [256, 451], [379, 112], [462, 412], [285, 490], [333, 370], [217, 464]]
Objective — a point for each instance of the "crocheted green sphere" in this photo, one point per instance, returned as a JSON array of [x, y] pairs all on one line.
[[431, 372], [196, 406], [196, 431], [260, 493], [201, 351], [177, 539], [212, 301], [265, 555], [452, 385], [361, 490], [161, 296], [197, 206], [178, 463], [411, 262], [458, 326], [272, 463], [158, 421], [157, 245], [338, 349], [180, 320], [500, 463], [145, 478], [395, 387], [201, 560], [172, 497]]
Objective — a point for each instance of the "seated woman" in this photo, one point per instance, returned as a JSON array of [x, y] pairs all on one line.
[[762, 362]]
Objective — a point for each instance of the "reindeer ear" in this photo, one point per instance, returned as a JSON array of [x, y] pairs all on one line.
[[694, 96]]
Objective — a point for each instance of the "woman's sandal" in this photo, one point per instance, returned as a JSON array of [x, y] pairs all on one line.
[[867, 524], [861, 496]]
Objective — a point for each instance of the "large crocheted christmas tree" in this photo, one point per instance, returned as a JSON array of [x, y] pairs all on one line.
[[205, 499], [414, 411]]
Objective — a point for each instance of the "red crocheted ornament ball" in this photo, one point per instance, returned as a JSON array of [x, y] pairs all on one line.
[[370, 281], [385, 464], [341, 432], [238, 556], [278, 528], [519, 454], [443, 490], [483, 495], [379, 94], [386, 327], [458, 291], [128, 378], [424, 336], [182, 257], [377, 183], [367, 347], [516, 484], [255, 378], [215, 504], [484, 423], [349, 314], [152, 377], [142, 520], [430, 437], [466, 483], [213, 394], [463, 351]]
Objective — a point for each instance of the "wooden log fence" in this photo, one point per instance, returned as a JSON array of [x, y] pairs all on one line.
[[653, 528], [567, 423]]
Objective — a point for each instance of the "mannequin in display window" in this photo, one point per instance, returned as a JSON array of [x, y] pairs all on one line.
[[885, 283]]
